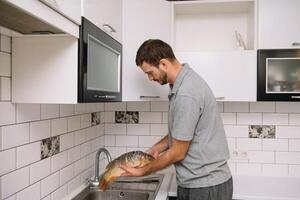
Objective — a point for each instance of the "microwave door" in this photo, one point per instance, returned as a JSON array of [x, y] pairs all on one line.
[[283, 75]]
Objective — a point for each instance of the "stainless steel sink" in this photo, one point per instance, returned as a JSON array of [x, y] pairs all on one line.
[[115, 195], [140, 188]]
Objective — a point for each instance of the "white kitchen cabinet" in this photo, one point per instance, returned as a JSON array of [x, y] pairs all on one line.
[[204, 35], [142, 20], [106, 14], [46, 14], [44, 69], [69, 8], [278, 24], [230, 74]]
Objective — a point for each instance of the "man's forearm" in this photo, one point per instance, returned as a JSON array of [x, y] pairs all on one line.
[[162, 145]]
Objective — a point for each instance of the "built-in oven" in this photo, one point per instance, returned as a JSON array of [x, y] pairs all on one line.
[[278, 75], [100, 65]]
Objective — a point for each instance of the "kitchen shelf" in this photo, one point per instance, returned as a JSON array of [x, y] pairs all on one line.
[[211, 25]]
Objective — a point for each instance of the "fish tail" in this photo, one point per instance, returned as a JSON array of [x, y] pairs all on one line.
[[105, 181]]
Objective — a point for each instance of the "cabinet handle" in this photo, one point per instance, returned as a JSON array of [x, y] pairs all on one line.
[[111, 29], [220, 98], [296, 44], [149, 97]]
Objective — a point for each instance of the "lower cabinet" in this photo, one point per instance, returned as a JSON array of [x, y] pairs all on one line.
[[230, 74]]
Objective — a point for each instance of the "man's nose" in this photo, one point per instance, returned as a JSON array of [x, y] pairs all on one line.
[[150, 78]]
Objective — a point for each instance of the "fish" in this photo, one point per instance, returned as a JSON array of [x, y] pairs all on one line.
[[131, 159]]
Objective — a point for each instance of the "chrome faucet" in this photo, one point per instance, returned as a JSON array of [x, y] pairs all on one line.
[[95, 182]]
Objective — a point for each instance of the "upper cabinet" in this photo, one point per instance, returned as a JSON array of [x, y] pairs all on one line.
[[106, 14], [217, 38], [278, 24], [142, 20], [34, 16], [71, 9]]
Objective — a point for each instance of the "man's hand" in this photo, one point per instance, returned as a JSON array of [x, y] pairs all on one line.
[[153, 152]]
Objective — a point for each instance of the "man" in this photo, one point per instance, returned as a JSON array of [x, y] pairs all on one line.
[[196, 142]]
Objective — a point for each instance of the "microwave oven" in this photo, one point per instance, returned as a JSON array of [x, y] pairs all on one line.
[[278, 75], [100, 65]]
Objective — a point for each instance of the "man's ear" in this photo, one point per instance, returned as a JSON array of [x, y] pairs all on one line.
[[164, 64]]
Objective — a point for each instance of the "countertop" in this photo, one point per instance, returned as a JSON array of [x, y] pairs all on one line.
[[258, 187]]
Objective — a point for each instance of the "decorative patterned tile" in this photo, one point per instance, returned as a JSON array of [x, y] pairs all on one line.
[[49, 147], [129, 117], [262, 131], [96, 116]]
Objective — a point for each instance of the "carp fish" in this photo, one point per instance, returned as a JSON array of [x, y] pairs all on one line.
[[131, 159]]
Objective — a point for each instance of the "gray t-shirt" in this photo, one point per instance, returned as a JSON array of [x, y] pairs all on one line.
[[194, 116]]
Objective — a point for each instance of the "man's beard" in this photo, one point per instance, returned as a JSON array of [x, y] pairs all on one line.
[[164, 79]]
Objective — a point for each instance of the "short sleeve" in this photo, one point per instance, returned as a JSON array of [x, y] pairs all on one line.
[[186, 114]]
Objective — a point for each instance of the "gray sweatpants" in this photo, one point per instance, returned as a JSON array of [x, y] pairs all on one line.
[[222, 191]]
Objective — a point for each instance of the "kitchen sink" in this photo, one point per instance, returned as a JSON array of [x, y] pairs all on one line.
[[125, 188], [115, 195]]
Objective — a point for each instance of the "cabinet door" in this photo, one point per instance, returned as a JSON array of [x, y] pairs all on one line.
[[44, 69], [142, 20], [278, 24], [69, 8], [106, 14], [231, 75]]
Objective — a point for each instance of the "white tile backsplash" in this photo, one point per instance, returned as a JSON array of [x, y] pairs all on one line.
[[115, 106], [39, 170], [49, 184], [66, 110], [275, 119], [32, 192], [14, 182], [148, 141], [80, 108], [249, 143], [14, 135], [159, 129], [115, 129], [288, 158], [138, 129], [5, 64], [49, 111], [28, 153], [8, 113], [150, 117], [275, 144], [287, 132], [236, 131], [60, 193], [58, 161], [126, 141], [39, 130], [159, 106], [265, 107], [66, 141], [59, 126], [288, 107], [249, 118], [8, 161], [294, 119], [138, 106], [228, 118], [5, 89], [248, 169], [66, 174], [73, 123], [5, 43], [28, 112], [261, 156], [294, 145], [236, 107]]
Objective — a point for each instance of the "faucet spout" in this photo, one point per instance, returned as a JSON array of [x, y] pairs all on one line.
[[95, 182]]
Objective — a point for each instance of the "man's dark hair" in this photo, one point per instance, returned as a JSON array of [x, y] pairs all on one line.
[[152, 51]]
